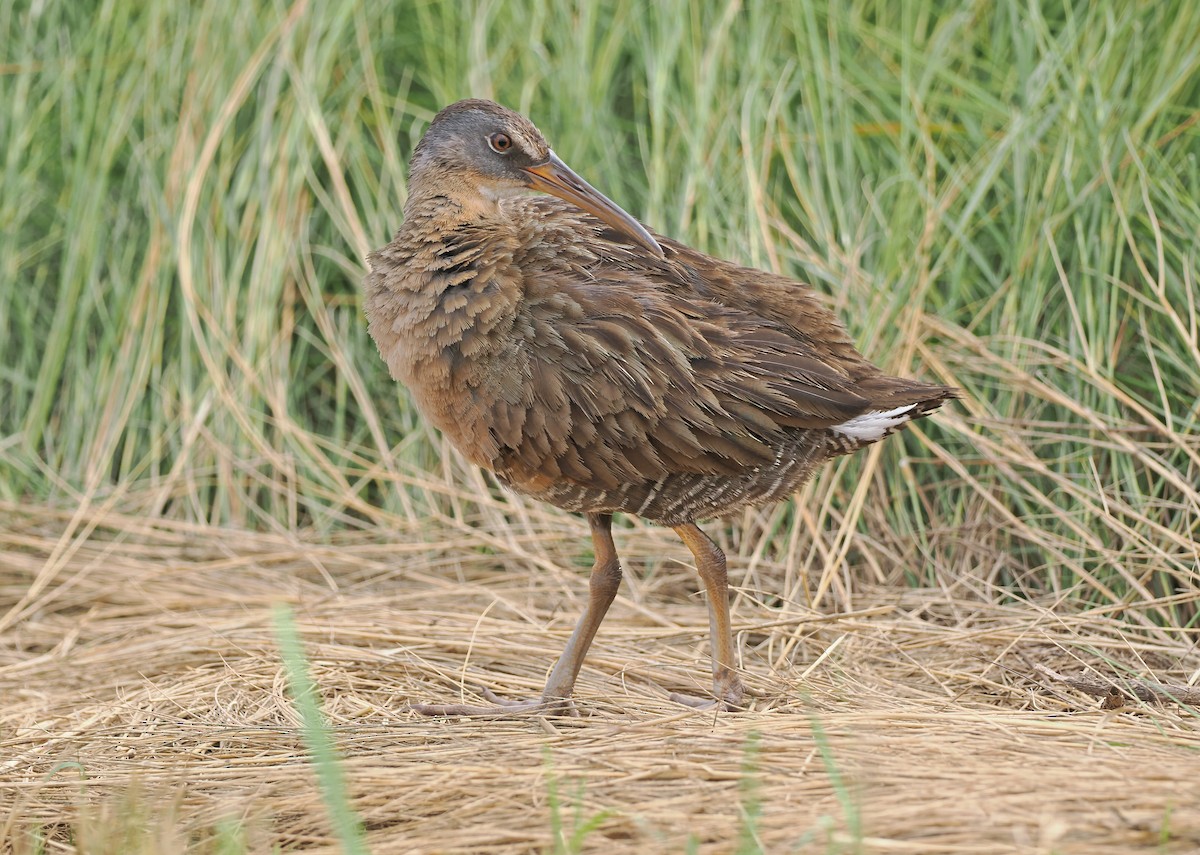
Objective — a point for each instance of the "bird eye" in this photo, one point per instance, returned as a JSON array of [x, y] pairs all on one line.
[[500, 143]]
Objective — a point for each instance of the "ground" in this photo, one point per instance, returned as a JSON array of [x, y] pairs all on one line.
[[145, 700]]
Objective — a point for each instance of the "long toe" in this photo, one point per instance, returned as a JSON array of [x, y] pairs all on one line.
[[500, 708], [730, 703]]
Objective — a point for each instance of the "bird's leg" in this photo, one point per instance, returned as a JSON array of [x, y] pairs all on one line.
[[602, 590], [556, 696], [728, 691]]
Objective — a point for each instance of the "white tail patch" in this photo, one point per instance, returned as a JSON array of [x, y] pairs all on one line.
[[870, 427]]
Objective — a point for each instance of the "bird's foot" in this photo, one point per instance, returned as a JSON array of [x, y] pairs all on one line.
[[725, 704], [729, 695], [499, 707]]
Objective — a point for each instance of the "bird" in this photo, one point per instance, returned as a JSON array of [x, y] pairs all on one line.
[[592, 364]]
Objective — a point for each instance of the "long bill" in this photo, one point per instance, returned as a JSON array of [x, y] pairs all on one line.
[[558, 179]]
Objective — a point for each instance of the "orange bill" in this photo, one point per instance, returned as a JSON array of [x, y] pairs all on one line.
[[558, 179]]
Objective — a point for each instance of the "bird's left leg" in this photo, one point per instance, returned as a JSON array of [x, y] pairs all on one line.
[[556, 697], [728, 691]]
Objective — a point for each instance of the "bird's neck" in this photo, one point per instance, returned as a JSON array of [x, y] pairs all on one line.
[[451, 236], [433, 210], [437, 197], [451, 257]]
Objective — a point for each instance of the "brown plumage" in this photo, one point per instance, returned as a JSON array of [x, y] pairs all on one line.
[[602, 369]]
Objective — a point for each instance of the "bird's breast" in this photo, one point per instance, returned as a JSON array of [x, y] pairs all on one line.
[[455, 326]]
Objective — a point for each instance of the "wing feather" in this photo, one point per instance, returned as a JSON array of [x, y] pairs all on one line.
[[623, 401]]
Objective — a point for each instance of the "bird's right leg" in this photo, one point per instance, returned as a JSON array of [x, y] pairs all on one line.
[[728, 690], [556, 696]]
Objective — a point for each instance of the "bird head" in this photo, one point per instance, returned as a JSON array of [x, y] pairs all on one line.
[[495, 152]]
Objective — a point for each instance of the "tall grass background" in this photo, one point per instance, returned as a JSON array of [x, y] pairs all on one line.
[[999, 195]]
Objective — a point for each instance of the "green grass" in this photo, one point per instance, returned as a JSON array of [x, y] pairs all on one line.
[[851, 810], [750, 801], [1000, 195], [318, 739], [570, 838]]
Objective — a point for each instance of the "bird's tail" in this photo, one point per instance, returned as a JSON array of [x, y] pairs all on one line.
[[894, 403]]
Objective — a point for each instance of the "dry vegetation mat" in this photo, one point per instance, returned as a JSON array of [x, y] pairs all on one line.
[[977, 637], [145, 704]]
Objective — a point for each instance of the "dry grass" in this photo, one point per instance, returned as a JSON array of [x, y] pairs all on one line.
[[194, 426], [145, 703]]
